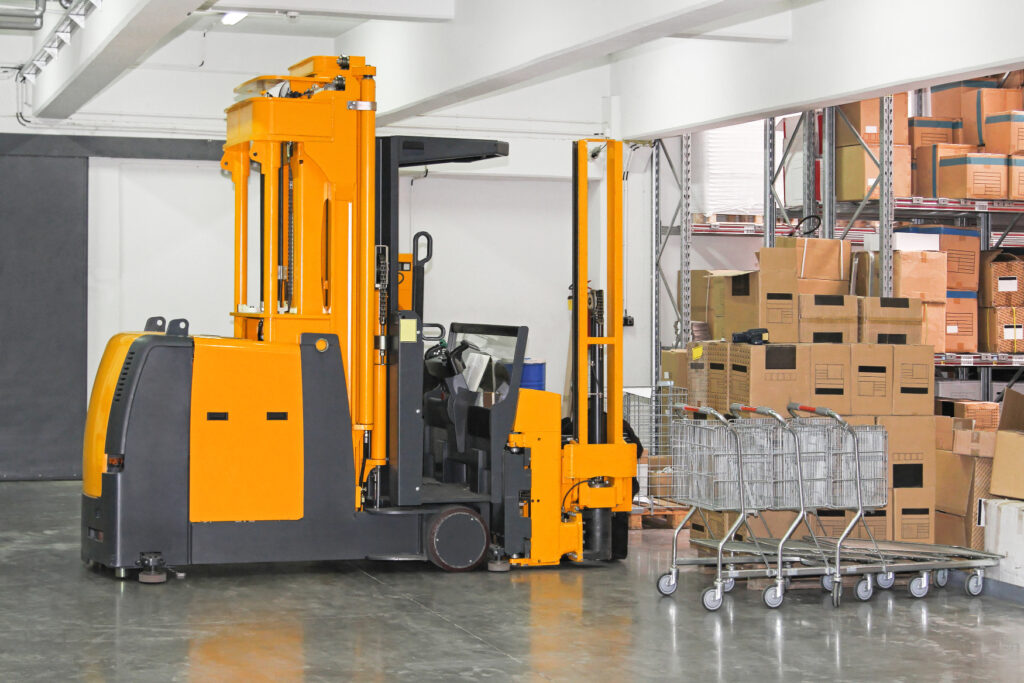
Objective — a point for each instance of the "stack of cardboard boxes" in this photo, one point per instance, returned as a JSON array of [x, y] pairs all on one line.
[[856, 171], [1001, 295], [860, 356], [938, 264]]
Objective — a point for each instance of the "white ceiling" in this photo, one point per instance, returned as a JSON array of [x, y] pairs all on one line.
[[308, 25]]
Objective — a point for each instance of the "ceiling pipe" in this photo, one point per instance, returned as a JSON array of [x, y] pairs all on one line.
[[20, 19]]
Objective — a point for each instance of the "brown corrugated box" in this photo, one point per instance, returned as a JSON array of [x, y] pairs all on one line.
[[913, 514], [980, 444], [770, 375], [915, 274], [1015, 183], [933, 325], [877, 521], [819, 259], [962, 247], [863, 115], [943, 433], [985, 414], [976, 106], [913, 371], [947, 99], [675, 365], [708, 291], [1001, 279], [961, 480], [961, 322], [959, 530], [871, 365], [1004, 132], [926, 166], [831, 380], [1008, 463], [717, 354], [889, 320], [974, 176], [1001, 330], [911, 450], [933, 130], [697, 375], [856, 172], [827, 318]]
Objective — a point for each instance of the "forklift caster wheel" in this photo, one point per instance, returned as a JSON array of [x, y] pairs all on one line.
[[147, 576], [457, 539], [499, 566]]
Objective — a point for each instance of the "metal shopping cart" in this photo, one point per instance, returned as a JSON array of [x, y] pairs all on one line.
[[802, 465]]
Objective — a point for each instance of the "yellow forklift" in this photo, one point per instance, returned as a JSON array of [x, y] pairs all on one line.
[[324, 429]]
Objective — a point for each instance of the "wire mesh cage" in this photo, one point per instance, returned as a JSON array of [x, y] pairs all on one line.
[[825, 437], [651, 413]]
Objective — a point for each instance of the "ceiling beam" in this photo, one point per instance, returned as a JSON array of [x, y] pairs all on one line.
[[492, 46], [405, 10], [113, 38], [838, 52]]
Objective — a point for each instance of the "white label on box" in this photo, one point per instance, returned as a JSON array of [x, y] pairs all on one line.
[[1013, 331], [967, 360], [981, 206], [952, 329], [871, 129], [1007, 284]]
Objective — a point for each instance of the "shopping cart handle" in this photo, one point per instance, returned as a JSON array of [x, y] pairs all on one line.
[[797, 407], [705, 410], [739, 407]]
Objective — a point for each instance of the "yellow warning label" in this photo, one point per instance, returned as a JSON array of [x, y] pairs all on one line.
[[407, 330], [697, 352]]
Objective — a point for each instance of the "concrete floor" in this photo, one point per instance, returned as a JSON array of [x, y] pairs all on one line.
[[379, 621]]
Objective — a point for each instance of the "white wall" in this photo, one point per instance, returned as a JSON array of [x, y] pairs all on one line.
[[161, 242]]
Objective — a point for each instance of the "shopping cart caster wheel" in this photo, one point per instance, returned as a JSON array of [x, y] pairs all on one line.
[[885, 580], [973, 585], [711, 599], [837, 593], [918, 587], [941, 577], [772, 597], [728, 585], [826, 583], [666, 585], [864, 590]]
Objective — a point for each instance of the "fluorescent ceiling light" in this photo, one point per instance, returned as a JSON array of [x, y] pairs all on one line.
[[232, 18]]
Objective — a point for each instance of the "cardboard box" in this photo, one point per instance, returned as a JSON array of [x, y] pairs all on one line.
[[962, 322], [828, 319], [1015, 181], [831, 379], [889, 320], [911, 450], [863, 116], [872, 378], [714, 525], [913, 514], [933, 325], [962, 247], [984, 414], [916, 274], [961, 481], [1001, 330], [770, 375], [675, 366], [829, 522], [978, 105], [1001, 279], [1004, 132], [974, 176], [943, 433], [933, 130], [903, 241], [697, 375], [856, 172], [876, 520], [819, 259], [717, 354], [775, 523], [959, 530], [913, 371], [979, 444], [926, 166], [1008, 462], [708, 291], [947, 99]]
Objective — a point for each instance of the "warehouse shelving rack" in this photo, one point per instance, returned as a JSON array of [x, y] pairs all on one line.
[[998, 218]]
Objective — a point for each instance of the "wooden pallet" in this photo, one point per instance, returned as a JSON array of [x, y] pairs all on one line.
[[661, 516]]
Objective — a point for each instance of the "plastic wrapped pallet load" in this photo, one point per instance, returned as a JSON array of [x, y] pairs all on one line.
[[728, 170]]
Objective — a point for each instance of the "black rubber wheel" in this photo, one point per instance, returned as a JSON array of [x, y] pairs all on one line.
[[973, 584], [457, 539]]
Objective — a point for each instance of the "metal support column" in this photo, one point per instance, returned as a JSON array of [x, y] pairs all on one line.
[[828, 172], [985, 375], [810, 155], [886, 203], [683, 333], [655, 245], [769, 176], [985, 234]]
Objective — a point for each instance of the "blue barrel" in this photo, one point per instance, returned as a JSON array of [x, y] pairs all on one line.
[[534, 375]]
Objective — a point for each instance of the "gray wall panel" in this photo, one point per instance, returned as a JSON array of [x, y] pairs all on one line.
[[43, 262]]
